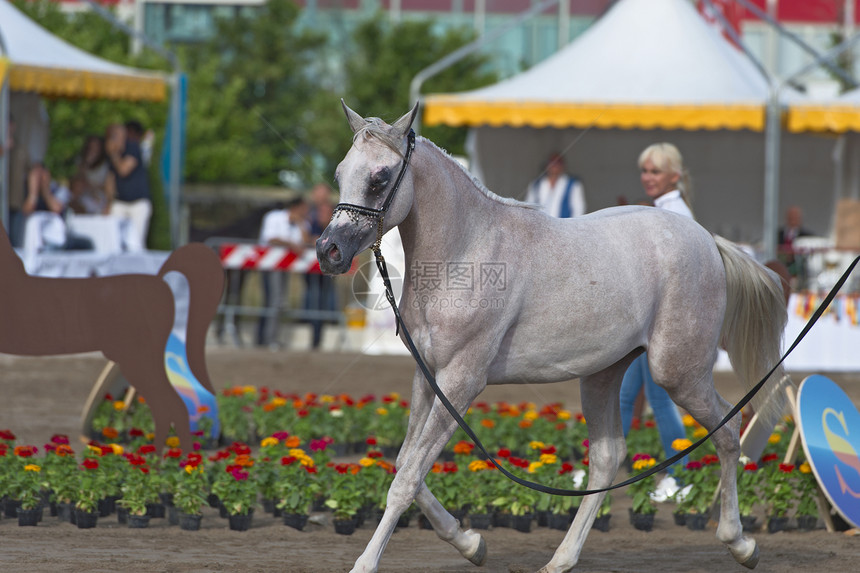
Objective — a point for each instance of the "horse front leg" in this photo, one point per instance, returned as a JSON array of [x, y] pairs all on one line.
[[421, 448], [600, 405]]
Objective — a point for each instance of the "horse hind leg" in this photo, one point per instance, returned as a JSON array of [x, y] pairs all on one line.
[[708, 408], [600, 405], [469, 543]]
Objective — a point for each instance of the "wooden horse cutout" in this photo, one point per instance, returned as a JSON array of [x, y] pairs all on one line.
[[127, 317]]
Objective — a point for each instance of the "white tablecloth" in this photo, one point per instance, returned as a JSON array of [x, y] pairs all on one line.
[[82, 264]]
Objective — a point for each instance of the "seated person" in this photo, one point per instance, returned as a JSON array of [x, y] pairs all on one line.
[[44, 205]]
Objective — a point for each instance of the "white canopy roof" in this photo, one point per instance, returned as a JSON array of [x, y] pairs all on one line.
[[645, 64], [38, 61]]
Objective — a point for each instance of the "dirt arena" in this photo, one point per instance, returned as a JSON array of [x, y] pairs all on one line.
[[42, 396]]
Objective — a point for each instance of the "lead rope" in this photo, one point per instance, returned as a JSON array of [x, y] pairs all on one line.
[[389, 295]]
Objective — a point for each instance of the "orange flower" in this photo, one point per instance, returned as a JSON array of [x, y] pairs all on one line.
[[244, 460], [488, 423], [64, 450], [293, 442], [463, 447], [202, 409], [525, 424], [110, 433], [437, 468]]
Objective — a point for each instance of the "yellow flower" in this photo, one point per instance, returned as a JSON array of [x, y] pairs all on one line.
[[366, 462], [548, 459], [382, 411], [535, 445], [530, 415], [117, 449], [249, 389], [306, 461], [774, 438], [564, 415], [119, 405], [534, 466], [681, 444], [189, 469], [477, 465], [94, 449], [700, 432], [150, 436], [32, 468], [805, 468], [172, 442], [297, 452], [644, 464], [395, 396], [277, 401], [326, 399], [688, 421], [531, 406], [270, 441]]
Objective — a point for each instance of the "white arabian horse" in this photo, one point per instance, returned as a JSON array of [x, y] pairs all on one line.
[[498, 292]]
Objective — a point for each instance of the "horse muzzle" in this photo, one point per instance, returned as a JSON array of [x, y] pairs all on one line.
[[335, 258]]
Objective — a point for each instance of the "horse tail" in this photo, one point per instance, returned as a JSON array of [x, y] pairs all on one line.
[[205, 275], [753, 326]]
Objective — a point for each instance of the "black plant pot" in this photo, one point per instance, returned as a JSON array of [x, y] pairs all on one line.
[[295, 520], [156, 510], [189, 521], [10, 507], [522, 523], [601, 523], [480, 520], [642, 521], [122, 515], [29, 517], [423, 522], [749, 523], [65, 512], [696, 521], [542, 518], [776, 524], [559, 521], [138, 521], [241, 522], [86, 519], [345, 526], [680, 519], [807, 522], [501, 519]]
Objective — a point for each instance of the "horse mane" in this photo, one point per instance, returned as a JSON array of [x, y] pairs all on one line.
[[378, 129]]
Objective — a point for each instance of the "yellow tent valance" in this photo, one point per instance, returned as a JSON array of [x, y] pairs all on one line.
[[53, 82], [837, 118], [453, 111], [4, 67]]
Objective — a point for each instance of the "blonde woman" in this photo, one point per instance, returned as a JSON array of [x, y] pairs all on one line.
[[665, 181]]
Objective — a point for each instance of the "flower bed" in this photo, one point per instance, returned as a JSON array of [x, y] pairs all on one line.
[[296, 463]]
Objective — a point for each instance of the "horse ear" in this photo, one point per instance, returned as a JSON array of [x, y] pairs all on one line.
[[356, 122], [404, 124]]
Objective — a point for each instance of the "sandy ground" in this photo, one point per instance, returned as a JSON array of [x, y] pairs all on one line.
[[41, 396]]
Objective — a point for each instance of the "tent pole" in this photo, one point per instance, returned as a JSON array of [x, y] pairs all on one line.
[[773, 128], [4, 159], [174, 191]]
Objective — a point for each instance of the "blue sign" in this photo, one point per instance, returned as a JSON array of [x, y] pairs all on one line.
[[830, 426]]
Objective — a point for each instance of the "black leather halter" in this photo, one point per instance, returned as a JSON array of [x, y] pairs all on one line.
[[379, 214]]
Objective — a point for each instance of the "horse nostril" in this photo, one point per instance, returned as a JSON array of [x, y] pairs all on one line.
[[334, 254]]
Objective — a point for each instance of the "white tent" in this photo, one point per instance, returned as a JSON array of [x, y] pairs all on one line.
[[37, 61], [647, 71], [34, 62]]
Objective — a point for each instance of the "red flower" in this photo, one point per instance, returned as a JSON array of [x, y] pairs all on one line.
[[219, 455], [288, 460], [136, 459], [694, 465], [640, 456], [59, 439], [786, 468], [566, 468], [650, 423], [585, 443], [7, 435], [769, 458], [90, 464], [303, 413], [449, 467], [135, 433], [318, 445], [519, 462], [504, 453], [709, 459], [281, 436], [311, 469], [548, 450], [146, 449], [635, 424], [374, 454], [387, 399], [240, 449], [751, 467], [238, 473], [341, 468], [173, 453], [25, 451]]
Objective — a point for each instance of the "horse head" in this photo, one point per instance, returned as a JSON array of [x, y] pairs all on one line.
[[375, 188]]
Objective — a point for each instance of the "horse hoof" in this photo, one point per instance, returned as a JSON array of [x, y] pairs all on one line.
[[752, 560], [479, 557]]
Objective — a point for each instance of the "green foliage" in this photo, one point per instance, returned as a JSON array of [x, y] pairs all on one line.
[[388, 55]]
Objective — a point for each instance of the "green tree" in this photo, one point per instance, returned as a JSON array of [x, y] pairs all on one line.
[[252, 86], [386, 58]]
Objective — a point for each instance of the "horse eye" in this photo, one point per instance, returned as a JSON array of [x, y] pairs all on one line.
[[379, 181]]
